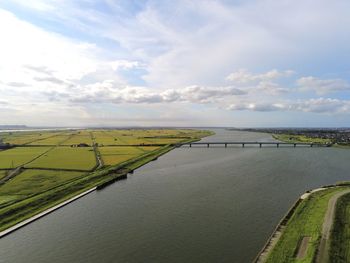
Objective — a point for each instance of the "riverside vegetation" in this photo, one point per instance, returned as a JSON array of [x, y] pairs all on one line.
[[305, 222], [44, 168], [340, 236]]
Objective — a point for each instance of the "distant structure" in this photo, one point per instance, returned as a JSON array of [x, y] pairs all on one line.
[[4, 146], [80, 145]]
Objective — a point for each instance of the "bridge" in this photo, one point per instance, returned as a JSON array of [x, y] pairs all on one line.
[[260, 144]]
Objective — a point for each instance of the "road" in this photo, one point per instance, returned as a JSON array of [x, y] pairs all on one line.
[[322, 256]]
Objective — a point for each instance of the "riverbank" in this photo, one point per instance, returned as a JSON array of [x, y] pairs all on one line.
[[299, 139], [46, 212], [28, 208], [299, 234]]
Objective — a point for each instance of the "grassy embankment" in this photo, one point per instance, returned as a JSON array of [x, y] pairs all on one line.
[[40, 187], [340, 235], [299, 138], [2, 174], [305, 221]]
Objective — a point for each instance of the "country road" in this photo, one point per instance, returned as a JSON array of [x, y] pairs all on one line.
[[322, 256]]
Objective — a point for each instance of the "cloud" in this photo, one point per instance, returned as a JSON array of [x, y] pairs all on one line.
[[107, 91], [125, 65], [323, 105], [244, 76], [17, 84], [323, 86], [318, 105], [152, 57], [49, 79], [27, 51], [256, 107]]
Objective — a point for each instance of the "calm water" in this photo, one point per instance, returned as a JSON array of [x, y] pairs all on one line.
[[191, 205]]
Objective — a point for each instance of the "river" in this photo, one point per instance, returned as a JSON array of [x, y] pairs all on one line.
[[191, 205]]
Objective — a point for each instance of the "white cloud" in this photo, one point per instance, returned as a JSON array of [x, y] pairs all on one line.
[[25, 48], [107, 91], [244, 76], [178, 58], [125, 65], [318, 105], [322, 86]]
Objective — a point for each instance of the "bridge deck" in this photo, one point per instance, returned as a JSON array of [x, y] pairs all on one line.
[[243, 143]]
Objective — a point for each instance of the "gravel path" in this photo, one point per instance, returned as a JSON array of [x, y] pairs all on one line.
[[322, 255]]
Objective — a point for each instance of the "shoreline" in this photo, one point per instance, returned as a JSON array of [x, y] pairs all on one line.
[[44, 213], [276, 233], [279, 229], [135, 164], [116, 173]]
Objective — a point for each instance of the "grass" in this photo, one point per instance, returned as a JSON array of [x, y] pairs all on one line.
[[115, 155], [2, 174], [340, 234], [31, 182], [66, 158], [299, 138], [140, 136], [19, 156], [54, 140], [79, 137], [306, 220], [25, 137], [37, 188]]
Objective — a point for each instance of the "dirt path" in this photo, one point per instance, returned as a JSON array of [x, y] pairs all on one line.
[[322, 255], [304, 244], [98, 158], [11, 174]]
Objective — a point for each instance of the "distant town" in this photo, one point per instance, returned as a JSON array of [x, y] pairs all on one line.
[[339, 136]]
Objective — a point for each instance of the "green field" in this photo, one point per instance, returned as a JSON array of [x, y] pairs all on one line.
[[79, 137], [340, 235], [26, 137], [18, 156], [32, 182], [127, 137], [299, 138], [66, 158], [113, 155], [52, 140], [54, 166], [2, 174], [306, 221]]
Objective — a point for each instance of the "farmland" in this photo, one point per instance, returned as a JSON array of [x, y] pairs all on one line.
[[18, 156], [46, 168], [66, 158], [112, 155]]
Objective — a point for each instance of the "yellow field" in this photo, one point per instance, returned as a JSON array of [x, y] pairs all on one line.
[[67, 158], [17, 156], [80, 137], [115, 155], [31, 182]]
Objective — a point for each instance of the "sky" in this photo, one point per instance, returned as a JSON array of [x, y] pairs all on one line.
[[252, 63]]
